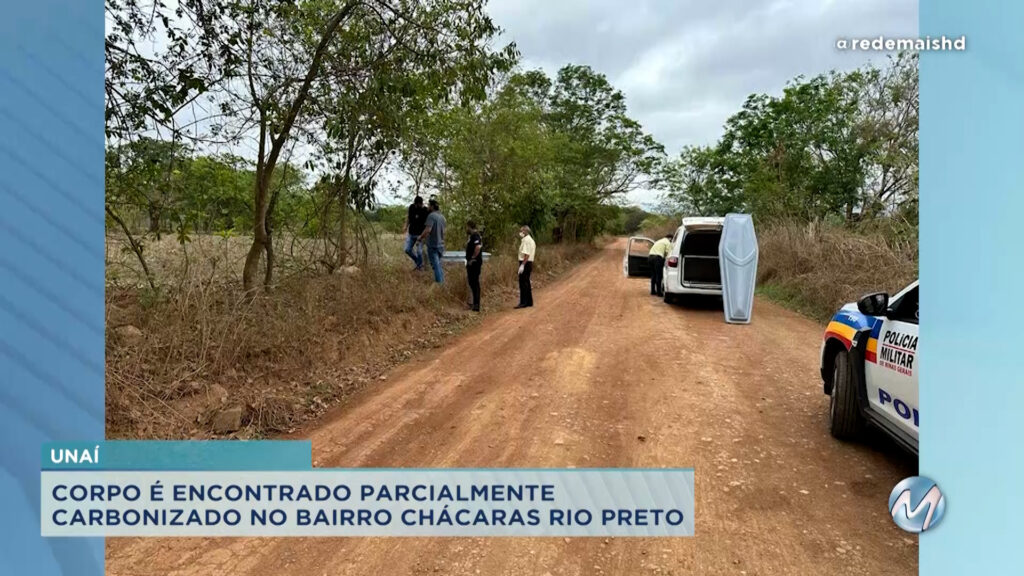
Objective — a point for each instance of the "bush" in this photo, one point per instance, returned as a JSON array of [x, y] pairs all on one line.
[[817, 267], [656, 226], [286, 355], [391, 218]]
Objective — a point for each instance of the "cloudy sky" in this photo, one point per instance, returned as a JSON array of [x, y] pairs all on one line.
[[687, 65]]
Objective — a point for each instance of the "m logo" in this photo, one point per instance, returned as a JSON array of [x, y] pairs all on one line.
[[917, 504]]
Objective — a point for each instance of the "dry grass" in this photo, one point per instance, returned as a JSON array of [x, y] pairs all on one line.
[[285, 356], [815, 268]]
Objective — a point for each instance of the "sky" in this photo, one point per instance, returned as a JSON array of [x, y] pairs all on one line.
[[685, 66]]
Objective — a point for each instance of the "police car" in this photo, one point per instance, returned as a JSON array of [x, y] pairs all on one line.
[[869, 367]]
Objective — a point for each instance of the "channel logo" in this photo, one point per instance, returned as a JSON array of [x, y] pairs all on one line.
[[917, 504]]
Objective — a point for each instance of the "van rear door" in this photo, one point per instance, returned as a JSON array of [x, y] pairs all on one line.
[[634, 263]]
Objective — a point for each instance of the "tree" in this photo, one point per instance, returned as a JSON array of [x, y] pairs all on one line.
[[497, 164], [145, 175], [279, 75], [145, 88], [393, 65], [838, 145], [698, 184], [603, 154], [537, 152], [891, 120]]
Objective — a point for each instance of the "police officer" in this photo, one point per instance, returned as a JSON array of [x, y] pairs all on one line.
[[474, 263]]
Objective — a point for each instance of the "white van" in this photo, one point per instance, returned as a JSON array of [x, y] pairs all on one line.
[[692, 267]]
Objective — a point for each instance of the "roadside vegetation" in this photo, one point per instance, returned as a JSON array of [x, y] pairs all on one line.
[[829, 170], [254, 267], [260, 156], [199, 360]]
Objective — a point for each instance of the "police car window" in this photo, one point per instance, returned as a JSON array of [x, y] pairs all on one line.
[[906, 308]]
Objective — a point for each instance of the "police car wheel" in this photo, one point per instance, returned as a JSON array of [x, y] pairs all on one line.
[[844, 415], [669, 297]]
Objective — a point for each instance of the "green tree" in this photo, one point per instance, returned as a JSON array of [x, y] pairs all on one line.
[[890, 109], [497, 163], [838, 145], [412, 61], [603, 153]]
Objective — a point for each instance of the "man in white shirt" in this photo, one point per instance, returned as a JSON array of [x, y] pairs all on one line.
[[527, 254]]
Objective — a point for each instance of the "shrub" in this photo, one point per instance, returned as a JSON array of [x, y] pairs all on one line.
[[288, 354], [817, 267]]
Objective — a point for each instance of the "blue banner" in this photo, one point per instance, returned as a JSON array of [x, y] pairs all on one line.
[[51, 263], [178, 455], [972, 177]]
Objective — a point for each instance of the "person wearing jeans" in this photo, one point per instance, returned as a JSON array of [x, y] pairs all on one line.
[[433, 234], [413, 249], [415, 221], [434, 254]]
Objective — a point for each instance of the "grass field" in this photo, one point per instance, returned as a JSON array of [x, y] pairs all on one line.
[[180, 356]]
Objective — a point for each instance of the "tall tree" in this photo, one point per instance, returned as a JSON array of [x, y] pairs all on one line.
[[836, 145], [891, 107], [393, 65], [605, 153], [279, 74]]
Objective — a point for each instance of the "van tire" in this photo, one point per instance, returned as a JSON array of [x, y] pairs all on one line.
[[845, 419], [669, 297]]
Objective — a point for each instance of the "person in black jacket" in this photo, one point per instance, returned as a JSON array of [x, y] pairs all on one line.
[[474, 263], [414, 223]]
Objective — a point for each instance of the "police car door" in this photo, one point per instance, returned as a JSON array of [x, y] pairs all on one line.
[[891, 370]]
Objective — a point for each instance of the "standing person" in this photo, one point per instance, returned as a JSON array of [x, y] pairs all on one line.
[[656, 260], [474, 263], [527, 253], [415, 220], [433, 234]]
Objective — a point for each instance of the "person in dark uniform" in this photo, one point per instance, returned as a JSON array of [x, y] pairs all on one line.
[[414, 223], [474, 263]]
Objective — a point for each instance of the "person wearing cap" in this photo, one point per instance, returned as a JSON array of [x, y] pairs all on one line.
[[474, 263], [656, 260], [415, 220], [433, 235], [527, 254]]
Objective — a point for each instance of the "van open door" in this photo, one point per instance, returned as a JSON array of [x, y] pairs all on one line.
[[737, 256], [634, 263]]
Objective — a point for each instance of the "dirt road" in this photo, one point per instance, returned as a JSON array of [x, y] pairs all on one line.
[[600, 374]]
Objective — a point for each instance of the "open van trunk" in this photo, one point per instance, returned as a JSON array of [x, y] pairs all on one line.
[[699, 252]]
